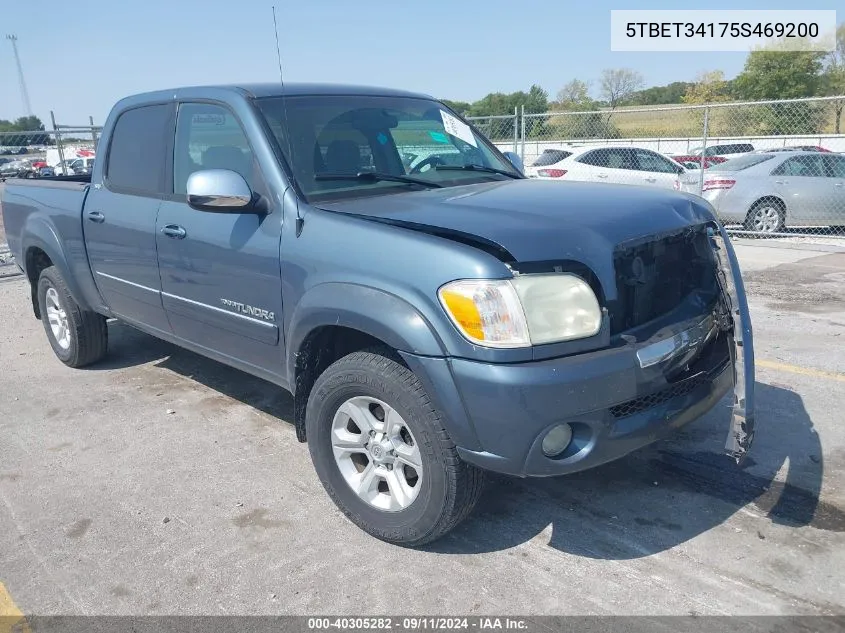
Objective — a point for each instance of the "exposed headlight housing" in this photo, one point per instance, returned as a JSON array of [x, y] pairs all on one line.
[[523, 311]]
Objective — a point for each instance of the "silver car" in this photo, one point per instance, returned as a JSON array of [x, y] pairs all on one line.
[[765, 191]]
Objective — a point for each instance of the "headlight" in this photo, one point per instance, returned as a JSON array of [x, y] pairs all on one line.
[[523, 311]]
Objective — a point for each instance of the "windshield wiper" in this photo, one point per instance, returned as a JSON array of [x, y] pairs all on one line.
[[491, 170], [376, 176]]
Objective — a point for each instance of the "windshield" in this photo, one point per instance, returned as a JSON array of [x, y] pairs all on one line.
[[743, 162], [337, 135]]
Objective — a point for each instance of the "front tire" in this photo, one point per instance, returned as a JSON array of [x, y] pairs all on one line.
[[382, 453], [78, 337]]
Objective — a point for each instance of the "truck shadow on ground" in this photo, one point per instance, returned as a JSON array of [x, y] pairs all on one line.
[[663, 495], [650, 501]]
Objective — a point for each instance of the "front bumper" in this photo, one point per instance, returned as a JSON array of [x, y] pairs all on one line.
[[616, 400], [613, 405]]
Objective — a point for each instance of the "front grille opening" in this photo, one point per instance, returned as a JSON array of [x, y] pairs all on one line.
[[714, 359], [655, 277], [644, 403]]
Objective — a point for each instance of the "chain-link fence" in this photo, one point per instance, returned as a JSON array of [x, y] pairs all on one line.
[[775, 167], [503, 130], [63, 150]]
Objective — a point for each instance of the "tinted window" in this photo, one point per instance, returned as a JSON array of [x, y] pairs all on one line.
[[137, 152], [806, 166], [596, 157], [550, 157], [649, 161], [209, 137], [743, 162], [610, 157], [836, 166]]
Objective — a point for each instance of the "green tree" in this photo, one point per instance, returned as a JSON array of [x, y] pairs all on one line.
[[28, 124], [834, 77], [575, 95], [771, 74], [461, 107], [709, 87], [775, 74], [660, 95], [617, 85]]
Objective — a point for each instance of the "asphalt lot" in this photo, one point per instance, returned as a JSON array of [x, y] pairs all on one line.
[[158, 482]]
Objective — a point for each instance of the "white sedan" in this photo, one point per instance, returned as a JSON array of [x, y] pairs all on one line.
[[619, 164]]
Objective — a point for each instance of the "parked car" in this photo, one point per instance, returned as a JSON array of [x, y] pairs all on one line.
[[799, 148], [726, 150], [74, 166], [548, 158], [618, 164], [431, 322], [767, 191], [17, 169], [694, 162]]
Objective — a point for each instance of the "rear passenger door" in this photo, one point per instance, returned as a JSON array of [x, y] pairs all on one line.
[[803, 183], [119, 217], [221, 282], [610, 164], [656, 171]]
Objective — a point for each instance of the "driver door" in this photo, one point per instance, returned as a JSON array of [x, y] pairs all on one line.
[[220, 278]]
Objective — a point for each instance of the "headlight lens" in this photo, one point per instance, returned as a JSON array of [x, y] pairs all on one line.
[[524, 311], [558, 307], [487, 312]]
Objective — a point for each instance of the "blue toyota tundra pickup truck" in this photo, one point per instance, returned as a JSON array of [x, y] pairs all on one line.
[[434, 313]]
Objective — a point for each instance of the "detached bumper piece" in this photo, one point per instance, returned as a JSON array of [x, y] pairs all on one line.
[[737, 321]]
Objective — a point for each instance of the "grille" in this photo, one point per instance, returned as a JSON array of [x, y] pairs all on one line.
[[675, 390], [643, 403], [654, 277]]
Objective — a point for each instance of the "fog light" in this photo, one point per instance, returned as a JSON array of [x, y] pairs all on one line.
[[556, 440]]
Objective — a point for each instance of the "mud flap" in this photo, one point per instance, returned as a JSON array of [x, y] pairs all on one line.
[[738, 323]]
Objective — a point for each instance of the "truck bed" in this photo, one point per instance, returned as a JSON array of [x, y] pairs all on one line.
[[47, 202]]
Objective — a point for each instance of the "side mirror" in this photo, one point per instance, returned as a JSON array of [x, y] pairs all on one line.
[[219, 190], [515, 160]]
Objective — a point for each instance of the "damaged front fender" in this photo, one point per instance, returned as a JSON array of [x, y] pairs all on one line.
[[737, 322]]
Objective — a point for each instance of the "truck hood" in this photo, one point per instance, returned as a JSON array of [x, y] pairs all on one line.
[[534, 220]]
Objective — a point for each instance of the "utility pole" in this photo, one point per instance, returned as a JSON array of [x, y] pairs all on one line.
[[24, 94]]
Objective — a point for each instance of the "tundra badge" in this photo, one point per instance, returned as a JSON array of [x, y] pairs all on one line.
[[244, 309]]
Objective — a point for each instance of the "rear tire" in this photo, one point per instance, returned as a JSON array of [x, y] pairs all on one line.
[[78, 337], [355, 403], [766, 217]]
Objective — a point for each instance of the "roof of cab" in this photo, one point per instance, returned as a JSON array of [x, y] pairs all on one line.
[[270, 90]]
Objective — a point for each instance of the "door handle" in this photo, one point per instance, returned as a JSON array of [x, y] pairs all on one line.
[[96, 216], [601, 175], [651, 179], [781, 182], [839, 184], [175, 231]]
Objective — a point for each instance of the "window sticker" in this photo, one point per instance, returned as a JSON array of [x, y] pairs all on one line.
[[458, 128]]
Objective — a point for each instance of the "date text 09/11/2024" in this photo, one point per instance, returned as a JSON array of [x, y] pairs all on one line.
[[418, 623], [721, 29]]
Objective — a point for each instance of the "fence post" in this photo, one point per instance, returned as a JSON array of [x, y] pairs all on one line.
[[58, 140], [522, 154], [703, 163], [515, 129]]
